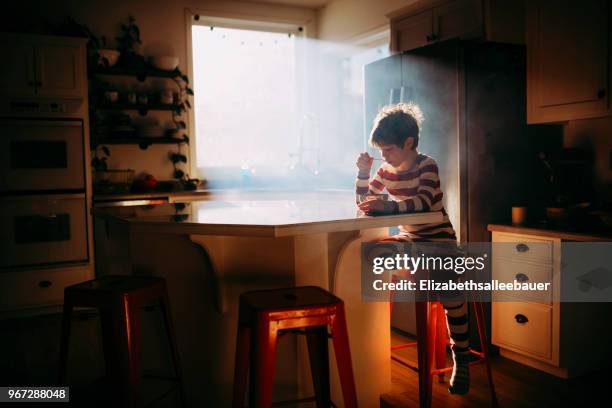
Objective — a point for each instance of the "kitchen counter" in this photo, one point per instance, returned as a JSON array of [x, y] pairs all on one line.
[[268, 216], [552, 231], [230, 243]]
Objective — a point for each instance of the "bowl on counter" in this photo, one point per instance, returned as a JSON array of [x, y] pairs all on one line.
[[164, 62], [556, 214]]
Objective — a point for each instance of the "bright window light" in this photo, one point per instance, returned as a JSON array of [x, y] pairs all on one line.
[[246, 119]]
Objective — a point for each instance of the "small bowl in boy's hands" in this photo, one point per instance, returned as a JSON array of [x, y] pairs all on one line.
[[375, 206]]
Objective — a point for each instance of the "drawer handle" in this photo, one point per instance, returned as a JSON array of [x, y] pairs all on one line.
[[45, 284], [521, 277], [522, 248], [521, 319]]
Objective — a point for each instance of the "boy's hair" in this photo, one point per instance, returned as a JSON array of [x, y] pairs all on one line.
[[396, 123]]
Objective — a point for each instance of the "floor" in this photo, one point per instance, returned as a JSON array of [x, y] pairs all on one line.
[[516, 386]]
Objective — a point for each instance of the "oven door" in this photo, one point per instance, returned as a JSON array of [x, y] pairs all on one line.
[[43, 230], [41, 155]]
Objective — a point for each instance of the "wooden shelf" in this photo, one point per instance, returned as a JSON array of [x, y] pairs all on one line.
[[140, 73], [143, 142]]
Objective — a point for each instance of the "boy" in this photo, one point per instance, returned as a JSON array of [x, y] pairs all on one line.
[[413, 184]]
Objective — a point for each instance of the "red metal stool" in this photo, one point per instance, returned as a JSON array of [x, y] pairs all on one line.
[[432, 332], [266, 314], [119, 299]]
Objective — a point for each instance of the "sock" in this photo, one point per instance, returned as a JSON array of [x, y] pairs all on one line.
[[457, 322]]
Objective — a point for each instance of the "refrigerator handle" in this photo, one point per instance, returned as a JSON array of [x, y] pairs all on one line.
[[402, 93]]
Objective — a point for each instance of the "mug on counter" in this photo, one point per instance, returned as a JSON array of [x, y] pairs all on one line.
[[519, 215]]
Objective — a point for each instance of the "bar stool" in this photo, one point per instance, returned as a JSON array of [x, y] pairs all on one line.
[[432, 332], [119, 300], [264, 316]]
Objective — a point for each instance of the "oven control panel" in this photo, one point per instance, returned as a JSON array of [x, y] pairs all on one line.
[[41, 107]]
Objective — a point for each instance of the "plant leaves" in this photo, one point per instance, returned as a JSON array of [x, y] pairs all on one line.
[[185, 78], [189, 91], [106, 150], [188, 104], [182, 125]]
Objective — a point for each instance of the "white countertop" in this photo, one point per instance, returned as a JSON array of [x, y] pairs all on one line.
[[269, 215]]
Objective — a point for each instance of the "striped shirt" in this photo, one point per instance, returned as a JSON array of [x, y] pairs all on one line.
[[414, 190]]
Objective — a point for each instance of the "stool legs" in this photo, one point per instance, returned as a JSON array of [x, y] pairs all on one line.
[[167, 316], [263, 357], [318, 355], [339, 333], [440, 347], [482, 334], [121, 341], [65, 342], [241, 366], [426, 317]]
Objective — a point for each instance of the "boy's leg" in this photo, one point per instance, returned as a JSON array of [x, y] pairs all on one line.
[[458, 328]]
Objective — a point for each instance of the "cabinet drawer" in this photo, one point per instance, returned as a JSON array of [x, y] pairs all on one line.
[[506, 270], [522, 248], [38, 288], [524, 327]]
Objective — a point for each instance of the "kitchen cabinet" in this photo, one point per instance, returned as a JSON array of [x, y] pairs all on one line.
[[43, 66], [568, 62], [427, 22], [564, 339]]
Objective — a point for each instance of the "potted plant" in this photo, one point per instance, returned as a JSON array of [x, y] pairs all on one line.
[[127, 43]]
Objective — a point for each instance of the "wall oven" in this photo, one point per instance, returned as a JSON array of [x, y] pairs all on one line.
[[41, 155], [43, 230]]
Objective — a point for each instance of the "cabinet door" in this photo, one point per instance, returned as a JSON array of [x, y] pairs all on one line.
[[458, 19], [17, 71], [59, 70], [568, 68], [412, 32]]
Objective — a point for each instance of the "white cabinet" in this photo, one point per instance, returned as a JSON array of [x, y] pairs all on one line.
[[426, 22], [535, 328], [44, 66]]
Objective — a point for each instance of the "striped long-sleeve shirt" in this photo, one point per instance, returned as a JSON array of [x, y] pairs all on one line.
[[414, 190]]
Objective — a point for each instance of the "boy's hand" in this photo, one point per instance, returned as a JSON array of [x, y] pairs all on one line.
[[374, 207], [364, 163]]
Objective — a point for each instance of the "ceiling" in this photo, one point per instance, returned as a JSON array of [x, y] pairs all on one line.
[[314, 4]]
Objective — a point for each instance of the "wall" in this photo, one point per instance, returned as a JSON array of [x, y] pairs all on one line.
[[163, 31], [594, 136], [342, 19]]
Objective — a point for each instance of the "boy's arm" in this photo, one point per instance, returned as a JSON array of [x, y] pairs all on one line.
[[429, 186], [363, 185]]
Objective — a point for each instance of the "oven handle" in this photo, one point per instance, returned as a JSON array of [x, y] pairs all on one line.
[[131, 203]]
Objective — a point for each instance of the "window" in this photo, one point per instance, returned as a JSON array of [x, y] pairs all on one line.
[[246, 104], [276, 110]]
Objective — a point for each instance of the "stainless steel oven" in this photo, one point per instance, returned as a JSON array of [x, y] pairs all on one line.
[[41, 155], [43, 230]]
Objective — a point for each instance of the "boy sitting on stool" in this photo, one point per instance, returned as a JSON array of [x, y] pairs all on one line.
[[413, 184]]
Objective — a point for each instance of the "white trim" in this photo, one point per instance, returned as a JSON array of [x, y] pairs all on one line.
[[248, 25], [372, 38]]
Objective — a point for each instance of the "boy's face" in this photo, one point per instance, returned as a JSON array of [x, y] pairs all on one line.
[[395, 155]]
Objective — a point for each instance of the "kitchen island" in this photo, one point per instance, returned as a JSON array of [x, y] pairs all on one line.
[[254, 241]]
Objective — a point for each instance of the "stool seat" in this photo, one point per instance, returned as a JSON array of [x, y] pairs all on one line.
[[263, 315], [117, 284], [119, 299]]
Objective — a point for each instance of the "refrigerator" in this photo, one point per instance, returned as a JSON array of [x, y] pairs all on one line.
[[473, 98]]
